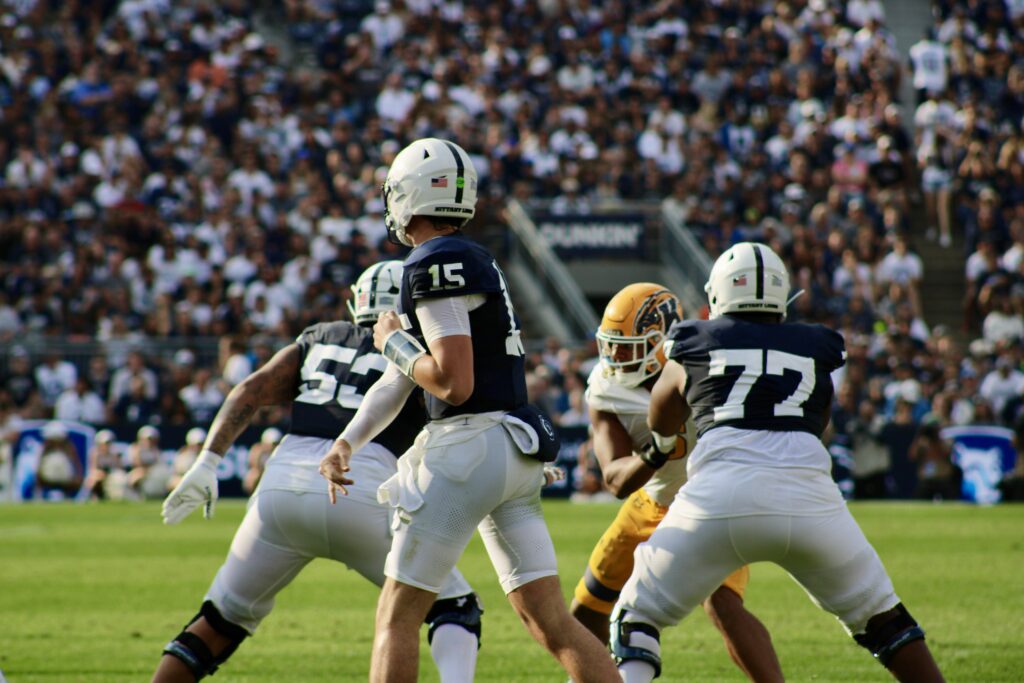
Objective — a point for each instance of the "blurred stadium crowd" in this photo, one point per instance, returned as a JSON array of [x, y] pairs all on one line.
[[169, 177]]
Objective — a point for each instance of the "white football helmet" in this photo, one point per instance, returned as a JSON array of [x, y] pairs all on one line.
[[375, 291], [748, 278], [430, 177]]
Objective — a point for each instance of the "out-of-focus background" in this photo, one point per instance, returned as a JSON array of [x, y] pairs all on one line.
[[185, 185]]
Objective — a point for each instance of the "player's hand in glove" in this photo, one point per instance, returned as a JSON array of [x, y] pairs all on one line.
[[198, 486], [553, 474]]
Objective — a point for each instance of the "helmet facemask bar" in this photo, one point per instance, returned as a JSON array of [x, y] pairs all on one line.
[[395, 228], [628, 360]]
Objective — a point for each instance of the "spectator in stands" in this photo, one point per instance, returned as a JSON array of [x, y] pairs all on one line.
[[937, 477], [186, 456], [900, 265], [936, 164], [20, 380], [870, 453], [202, 397], [148, 475], [929, 62], [1002, 384], [59, 473], [259, 453], [1003, 324], [53, 377], [135, 367], [898, 434], [80, 404], [236, 364], [107, 478]]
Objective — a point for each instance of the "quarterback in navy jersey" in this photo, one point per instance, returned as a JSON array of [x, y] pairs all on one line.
[[457, 336], [760, 485], [324, 374], [455, 266]]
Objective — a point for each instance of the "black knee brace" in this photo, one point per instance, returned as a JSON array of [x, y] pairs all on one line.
[[463, 611], [195, 653], [622, 651], [885, 639]]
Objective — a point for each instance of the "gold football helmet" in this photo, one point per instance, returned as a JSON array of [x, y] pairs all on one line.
[[633, 330]]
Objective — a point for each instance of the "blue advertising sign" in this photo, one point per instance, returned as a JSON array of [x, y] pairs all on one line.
[[985, 455], [50, 459]]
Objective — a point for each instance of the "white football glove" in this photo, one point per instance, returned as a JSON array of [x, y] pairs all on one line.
[[553, 474], [199, 485]]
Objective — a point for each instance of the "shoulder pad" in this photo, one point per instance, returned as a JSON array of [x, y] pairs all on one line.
[[452, 269], [681, 337]]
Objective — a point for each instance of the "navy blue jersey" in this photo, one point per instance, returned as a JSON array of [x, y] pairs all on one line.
[[455, 266], [757, 375], [339, 365]]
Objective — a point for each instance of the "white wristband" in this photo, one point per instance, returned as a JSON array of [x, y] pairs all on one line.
[[208, 458], [665, 444], [402, 349]]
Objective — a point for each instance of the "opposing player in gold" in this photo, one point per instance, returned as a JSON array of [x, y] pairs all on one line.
[[648, 473]]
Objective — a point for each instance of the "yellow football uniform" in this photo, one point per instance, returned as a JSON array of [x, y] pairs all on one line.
[[611, 561]]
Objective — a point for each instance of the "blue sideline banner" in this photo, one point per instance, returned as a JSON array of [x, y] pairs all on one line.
[[593, 236], [28, 451], [985, 455]]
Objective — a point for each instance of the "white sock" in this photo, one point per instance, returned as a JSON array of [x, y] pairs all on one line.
[[454, 650], [635, 670]]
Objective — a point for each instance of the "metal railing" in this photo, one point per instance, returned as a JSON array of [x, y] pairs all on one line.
[[549, 273], [686, 258], [157, 350]]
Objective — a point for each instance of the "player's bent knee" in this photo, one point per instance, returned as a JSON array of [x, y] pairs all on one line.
[[193, 650], [464, 611], [887, 633], [623, 645]]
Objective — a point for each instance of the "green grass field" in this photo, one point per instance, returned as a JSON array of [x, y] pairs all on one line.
[[91, 593]]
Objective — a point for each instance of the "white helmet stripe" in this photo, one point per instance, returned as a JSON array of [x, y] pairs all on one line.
[[460, 171]]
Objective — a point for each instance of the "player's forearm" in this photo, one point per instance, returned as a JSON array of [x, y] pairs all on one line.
[[626, 475], [668, 410], [379, 408], [272, 384], [233, 417]]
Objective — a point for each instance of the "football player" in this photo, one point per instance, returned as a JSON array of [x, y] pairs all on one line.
[[630, 342], [760, 486], [324, 374], [478, 462]]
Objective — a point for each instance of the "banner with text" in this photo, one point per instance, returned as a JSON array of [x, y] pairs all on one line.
[[588, 236]]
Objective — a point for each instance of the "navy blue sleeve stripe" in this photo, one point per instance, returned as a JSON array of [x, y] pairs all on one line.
[[760, 271], [460, 172]]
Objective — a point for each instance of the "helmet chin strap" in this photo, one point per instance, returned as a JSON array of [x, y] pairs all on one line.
[[794, 297]]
